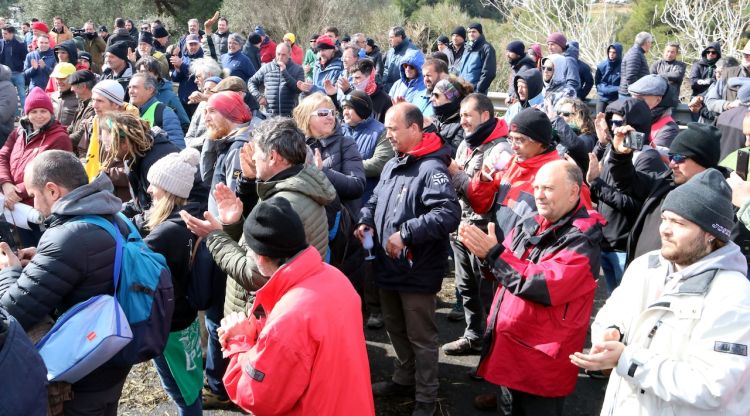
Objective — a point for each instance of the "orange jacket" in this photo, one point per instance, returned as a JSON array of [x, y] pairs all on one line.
[[308, 355]]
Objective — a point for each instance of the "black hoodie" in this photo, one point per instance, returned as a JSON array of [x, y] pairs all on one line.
[[534, 84], [619, 208], [70, 47], [521, 64], [704, 69]]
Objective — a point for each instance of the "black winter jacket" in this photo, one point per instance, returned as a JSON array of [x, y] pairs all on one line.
[[703, 69], [634, 66], [281, 90], [416, 198]]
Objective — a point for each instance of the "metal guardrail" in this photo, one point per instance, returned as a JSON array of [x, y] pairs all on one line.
[[681, 114]]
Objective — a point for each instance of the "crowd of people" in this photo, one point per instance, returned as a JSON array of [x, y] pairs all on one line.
[[275, 173]]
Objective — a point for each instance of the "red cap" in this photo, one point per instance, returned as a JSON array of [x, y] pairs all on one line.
[[230, 105], [40, 26], [325, 42]]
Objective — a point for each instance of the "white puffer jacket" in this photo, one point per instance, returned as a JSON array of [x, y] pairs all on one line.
[[686, 335]]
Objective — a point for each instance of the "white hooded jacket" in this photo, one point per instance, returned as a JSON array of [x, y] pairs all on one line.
[[686, 335]]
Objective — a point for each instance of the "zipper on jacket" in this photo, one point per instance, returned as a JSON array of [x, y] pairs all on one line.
[[398, 198]]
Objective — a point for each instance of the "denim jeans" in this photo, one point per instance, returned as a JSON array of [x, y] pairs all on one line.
[[18, 79], [170, 386], [613, 265], [216, 365], [476, 292]]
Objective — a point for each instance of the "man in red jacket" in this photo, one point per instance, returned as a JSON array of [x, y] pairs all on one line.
[[298, 353], [546, 283]]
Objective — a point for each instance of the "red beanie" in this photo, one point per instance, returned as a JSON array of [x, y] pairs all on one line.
[[37, 98], [40, 26], [231, 106]]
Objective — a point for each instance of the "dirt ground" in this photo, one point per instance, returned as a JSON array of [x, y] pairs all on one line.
[[143, 394]]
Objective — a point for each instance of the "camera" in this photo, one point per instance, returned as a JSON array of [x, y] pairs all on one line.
[[743, 157], [634, 140]]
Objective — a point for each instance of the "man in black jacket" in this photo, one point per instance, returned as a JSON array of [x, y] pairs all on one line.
[[634, 64], [410, 215], [73, 262], [692, 151]]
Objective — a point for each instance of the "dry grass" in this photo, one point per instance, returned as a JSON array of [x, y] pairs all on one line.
[[142, 392]]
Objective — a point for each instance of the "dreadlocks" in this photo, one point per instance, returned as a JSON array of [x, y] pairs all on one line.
[[127, 129]]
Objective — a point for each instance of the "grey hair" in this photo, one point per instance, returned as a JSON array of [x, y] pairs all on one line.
[[643, 37], [574, 174], [282, 135], [194, 20], [59, 167], [237, 38], [149, 81], [207, 66]]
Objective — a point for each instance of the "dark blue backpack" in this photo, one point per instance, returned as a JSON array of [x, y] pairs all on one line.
[[145, 293]]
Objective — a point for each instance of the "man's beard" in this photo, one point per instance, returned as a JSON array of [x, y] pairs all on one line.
[[689, 254], [219, 131]]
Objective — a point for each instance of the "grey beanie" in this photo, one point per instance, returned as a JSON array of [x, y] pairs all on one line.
[[175, 172], [706, 200]]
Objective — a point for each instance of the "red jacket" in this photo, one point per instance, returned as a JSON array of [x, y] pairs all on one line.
[[267, 52], [297, 54], [16, 153], [309, 357], [540, 314]]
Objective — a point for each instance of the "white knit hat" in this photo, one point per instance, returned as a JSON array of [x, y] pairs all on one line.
[[175, 172], [111, 90]]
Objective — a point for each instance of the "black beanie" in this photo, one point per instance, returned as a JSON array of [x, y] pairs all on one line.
[[274, 230], [160, 32], [119, 49], [460, 31], [700, 142], [360, 102], [534, 123], [254, 39], [517, 47], [706, 200], [477, 26], [146, 37]]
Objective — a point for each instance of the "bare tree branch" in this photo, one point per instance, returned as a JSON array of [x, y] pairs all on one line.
[[699, 22]]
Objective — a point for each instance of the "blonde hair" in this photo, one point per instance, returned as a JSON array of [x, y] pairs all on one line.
[[162, 209], [304, 111], [127, 129]]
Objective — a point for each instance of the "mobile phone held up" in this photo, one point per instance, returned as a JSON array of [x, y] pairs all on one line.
[[743, 157], [634, 140]]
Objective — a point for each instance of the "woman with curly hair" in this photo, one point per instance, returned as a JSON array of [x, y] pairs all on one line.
[[129, 139], [446, 100]]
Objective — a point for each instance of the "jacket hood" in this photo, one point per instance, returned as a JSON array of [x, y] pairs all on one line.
[[712, 45], [4, 73], [573, 50], [618, 48], [430, 146], [533, 80], [524, 60], [310, 181], [70, 47], [559, 62], [635, 113], [728, 258], [405, 44], [121, 31], [95, 198], [414, 58]]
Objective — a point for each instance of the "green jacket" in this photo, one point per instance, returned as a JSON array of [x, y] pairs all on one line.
[[308, 192]]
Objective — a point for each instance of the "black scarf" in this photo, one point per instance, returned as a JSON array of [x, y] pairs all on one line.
[[445, 111], [481, 134]]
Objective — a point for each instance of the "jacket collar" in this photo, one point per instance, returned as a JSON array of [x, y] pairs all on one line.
[[299, 268]]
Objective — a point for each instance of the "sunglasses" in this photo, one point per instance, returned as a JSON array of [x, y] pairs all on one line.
[[615, 123], [436, 95], [677, 158], [565, 113], [711, 53], [407, 66], [548, 68], [323, 112]]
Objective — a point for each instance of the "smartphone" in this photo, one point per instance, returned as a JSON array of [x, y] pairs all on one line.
[[634, 140], [7, 235], [743, 157]]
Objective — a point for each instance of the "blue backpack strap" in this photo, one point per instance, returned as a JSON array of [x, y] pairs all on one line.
[[114, 232]]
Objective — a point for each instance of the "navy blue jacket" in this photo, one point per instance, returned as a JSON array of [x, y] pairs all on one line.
[[416, 198], [19, 361], [366, 135], [608, 76], [478, 66], [238, 64], [13, 54], [185, 78], [584, 71], [40, 76], [634, 67], [170, 123]]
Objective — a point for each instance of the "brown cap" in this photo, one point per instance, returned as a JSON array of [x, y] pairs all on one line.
[[230, 84]]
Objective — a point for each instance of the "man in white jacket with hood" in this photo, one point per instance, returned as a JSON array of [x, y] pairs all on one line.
[[676, 331]]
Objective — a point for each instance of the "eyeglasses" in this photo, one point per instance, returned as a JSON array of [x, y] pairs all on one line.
[[712, 53], [323, 112], [518, 141], [565, 113], [548, 68], [677, 158]]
